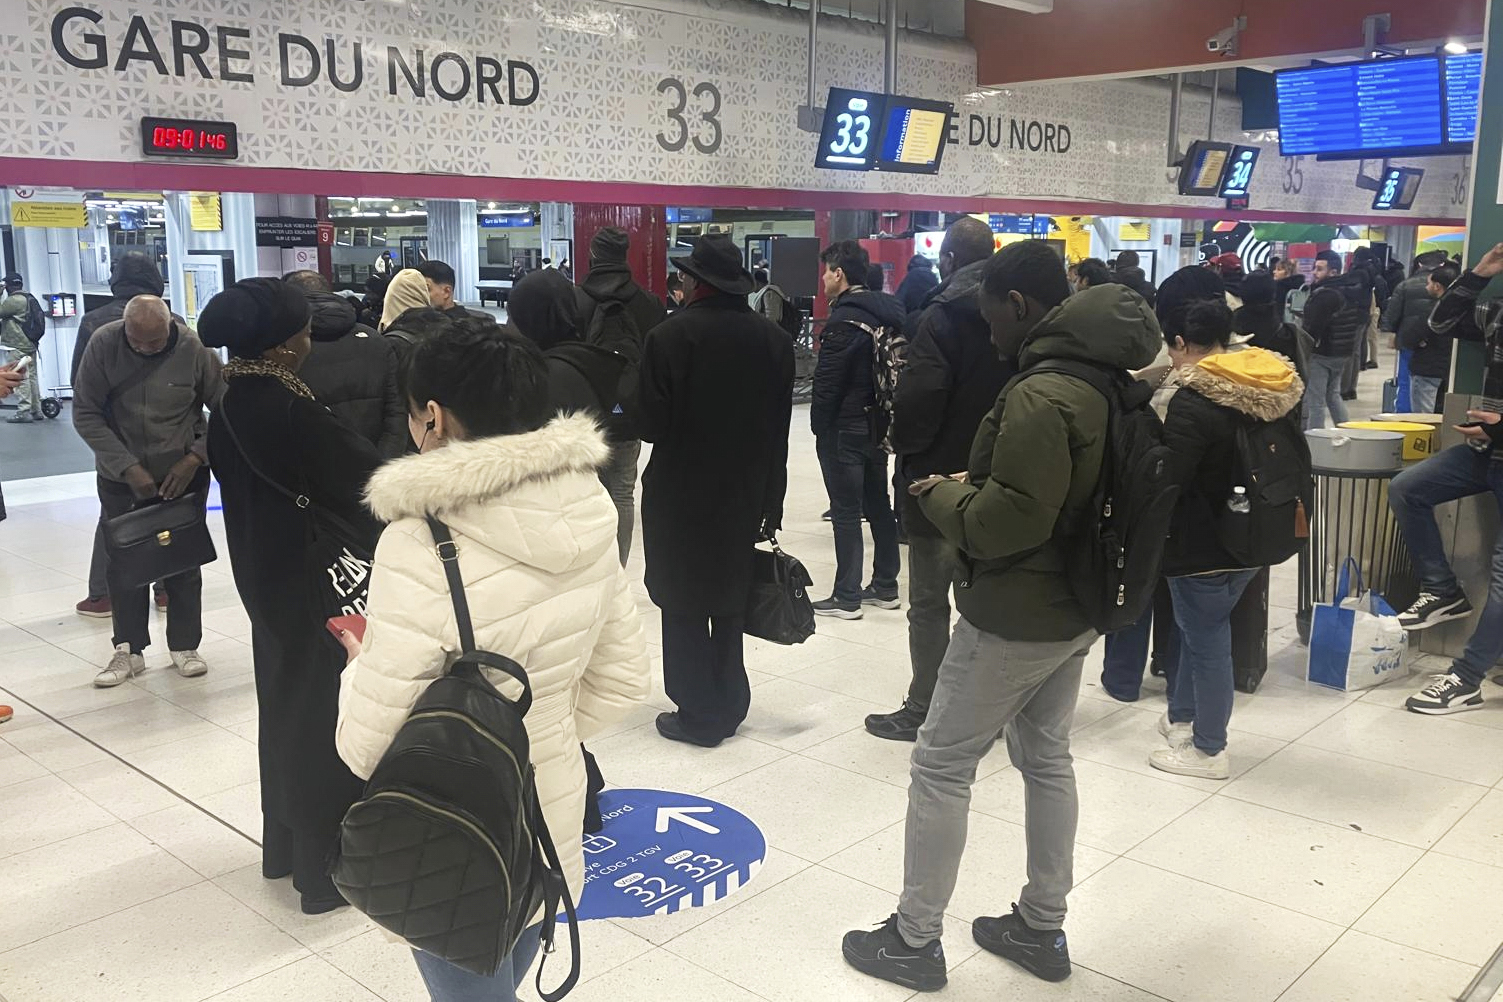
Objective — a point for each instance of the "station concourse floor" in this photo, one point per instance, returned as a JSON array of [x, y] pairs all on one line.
[[1354, 856]]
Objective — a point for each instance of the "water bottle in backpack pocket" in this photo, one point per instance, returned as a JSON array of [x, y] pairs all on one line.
[[1264, 521]]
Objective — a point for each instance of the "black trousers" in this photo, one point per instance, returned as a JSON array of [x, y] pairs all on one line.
[[286, 851], [131, 605], [705, 674]]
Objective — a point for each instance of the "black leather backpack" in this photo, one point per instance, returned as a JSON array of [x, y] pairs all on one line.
[[448, 848]]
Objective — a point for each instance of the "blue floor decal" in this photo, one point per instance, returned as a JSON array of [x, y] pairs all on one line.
[[664, 852]]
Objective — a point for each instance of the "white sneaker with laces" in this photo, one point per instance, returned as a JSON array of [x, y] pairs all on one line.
[[1175, 734], [1445, 694], [1188, 760], [123, 666], [189, 664]]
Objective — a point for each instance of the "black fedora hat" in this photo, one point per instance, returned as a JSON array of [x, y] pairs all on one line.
[[717, 262]]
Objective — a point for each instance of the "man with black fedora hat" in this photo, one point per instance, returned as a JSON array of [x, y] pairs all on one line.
[[716, 397]]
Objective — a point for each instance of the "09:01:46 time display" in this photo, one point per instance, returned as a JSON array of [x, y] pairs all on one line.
[[164, 138]]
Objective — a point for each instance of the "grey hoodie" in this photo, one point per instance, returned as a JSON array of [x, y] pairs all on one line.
[[144, 409]]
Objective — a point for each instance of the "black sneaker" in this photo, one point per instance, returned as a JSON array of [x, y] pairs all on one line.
[[1044, 954], [1431, 610], [1446, 694], [840, 610], [869, 596], [881, 953], [900, 726]]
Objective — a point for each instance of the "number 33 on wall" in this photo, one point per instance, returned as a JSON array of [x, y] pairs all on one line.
[[706, 133]]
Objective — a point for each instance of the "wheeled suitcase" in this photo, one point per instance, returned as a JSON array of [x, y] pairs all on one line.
[[1250, 635]]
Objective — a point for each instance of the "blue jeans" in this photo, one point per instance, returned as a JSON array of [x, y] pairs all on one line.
[[1456, 473], [1203, 688], [1323, 391], [855, 474], [447, 983], [1423, 391], [1127, 651]]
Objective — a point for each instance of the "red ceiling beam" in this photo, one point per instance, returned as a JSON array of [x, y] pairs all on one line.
[[1106, 38]]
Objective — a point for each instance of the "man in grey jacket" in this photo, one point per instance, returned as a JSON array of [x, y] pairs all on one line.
[[138, 401]]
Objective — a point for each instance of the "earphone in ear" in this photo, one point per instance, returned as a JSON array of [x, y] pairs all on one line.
[[429, 425]]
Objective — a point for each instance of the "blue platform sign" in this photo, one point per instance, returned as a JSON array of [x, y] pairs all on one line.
[[664, 852]]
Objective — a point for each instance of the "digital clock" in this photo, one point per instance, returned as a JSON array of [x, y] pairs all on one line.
[[189, 138]]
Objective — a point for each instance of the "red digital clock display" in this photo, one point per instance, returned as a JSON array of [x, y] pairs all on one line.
[[181, 137]]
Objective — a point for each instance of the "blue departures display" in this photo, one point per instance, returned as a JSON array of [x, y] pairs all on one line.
[[1389, 104], [1463, 95]]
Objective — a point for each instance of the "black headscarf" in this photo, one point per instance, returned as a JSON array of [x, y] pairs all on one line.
[[1180, 291], [543, 307], [253, 315]]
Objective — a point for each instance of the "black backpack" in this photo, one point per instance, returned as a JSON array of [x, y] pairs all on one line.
[[612, 328], [1116, 551], [1273, 464], [448, 848], [34, 324], [792, 320]]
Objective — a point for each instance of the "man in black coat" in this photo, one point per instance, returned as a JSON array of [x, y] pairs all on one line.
[[134, 274], [919, 281], [610, 281], [1128, 271], [843, 415], [353, 370], [1408, 318], [951, 382], [1336, 315], [716, 397]]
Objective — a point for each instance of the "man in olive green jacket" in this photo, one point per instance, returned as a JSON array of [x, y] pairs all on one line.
[[13, 310], [1014, 662]]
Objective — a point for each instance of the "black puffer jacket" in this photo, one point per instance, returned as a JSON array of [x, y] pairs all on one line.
[[951, 382], [843, 390], [1338, 312], [134, 275], [917, 284], [1408, 317], [1136, 279], [353, 372]]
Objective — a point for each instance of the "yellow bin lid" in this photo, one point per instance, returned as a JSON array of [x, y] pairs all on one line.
[[1404, 427]]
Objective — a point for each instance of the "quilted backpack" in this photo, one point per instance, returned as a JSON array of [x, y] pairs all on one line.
[[448, 848]]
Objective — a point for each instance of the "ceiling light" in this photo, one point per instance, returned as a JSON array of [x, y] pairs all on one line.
[[1456, 48]]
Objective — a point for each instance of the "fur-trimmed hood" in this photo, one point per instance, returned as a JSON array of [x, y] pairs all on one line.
[[1252, 381], [534, 498]]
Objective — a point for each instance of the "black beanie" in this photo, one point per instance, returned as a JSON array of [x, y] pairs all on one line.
[[253, 315], [1180, 291], [609, 246], [1259, 289]]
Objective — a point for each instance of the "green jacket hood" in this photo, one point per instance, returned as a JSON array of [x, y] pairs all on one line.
[[1106, 324]]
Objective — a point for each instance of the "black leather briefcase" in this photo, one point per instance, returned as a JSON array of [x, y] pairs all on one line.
[[158, 540]]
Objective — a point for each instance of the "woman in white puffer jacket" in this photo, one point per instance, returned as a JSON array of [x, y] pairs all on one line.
[[537, 550]]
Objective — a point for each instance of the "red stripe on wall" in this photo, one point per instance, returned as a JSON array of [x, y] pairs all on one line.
[[131, 176]]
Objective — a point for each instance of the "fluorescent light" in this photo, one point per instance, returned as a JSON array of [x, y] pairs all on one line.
[[1456, 48]]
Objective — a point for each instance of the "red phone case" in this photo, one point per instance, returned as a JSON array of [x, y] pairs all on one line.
[[355, 624]]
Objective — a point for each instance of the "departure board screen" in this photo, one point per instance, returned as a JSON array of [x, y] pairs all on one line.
[[913, 136], [1362, 109], [1204, 168], [1463, 95], [1237, 183], [853, 121], [1397, 188]]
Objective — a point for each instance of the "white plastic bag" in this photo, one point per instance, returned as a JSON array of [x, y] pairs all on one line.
[[1355, 642]]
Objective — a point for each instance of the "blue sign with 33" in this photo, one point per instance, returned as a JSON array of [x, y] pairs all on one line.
[[662, 852]]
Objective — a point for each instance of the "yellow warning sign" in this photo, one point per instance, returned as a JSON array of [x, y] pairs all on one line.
[[204, 211], [1134, 232], [65, 215]]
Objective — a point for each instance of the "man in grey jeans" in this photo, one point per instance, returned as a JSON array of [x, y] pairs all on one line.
[[1014, 663]]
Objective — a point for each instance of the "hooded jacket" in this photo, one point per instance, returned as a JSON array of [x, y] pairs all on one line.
[[353, 372], [134, 275], [1338, 312], [844, 393], [1033, 467], [537, 551], [951, 379], [1136, 279], [1408, 317], [1215, 396], [917, 284], [614, 282]]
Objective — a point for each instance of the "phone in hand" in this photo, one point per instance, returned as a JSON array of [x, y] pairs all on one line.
[[355, 624], [1471, 424], [22, 365]]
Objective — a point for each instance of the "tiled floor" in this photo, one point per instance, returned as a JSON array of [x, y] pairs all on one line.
[[1357, 855]]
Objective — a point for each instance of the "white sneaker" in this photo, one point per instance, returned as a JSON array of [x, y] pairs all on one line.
[[189, 664], [1188, 760], [1175, 734], [123, 666]]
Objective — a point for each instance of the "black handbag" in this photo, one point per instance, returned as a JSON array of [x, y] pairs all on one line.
[[778, 607], [338, 554], [159, 539]]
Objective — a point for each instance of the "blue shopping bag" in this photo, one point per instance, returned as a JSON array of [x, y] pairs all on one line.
[[1356, 641]]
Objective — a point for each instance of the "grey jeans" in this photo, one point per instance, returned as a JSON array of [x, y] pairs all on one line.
[[988, 688], [619, 475], [932, 565]]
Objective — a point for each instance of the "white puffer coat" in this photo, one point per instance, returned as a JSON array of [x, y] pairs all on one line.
[[537, 550]]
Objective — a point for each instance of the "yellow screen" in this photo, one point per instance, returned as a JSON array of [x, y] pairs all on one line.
[[926, 130]]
